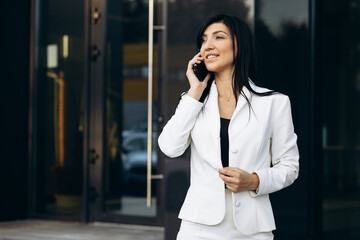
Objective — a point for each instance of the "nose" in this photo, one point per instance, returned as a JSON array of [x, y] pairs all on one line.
[[209, 48], [208, 45]]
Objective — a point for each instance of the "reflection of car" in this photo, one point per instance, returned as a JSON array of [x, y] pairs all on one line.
[[135, 141], [135, 162]]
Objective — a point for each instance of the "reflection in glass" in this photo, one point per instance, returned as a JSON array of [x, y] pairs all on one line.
[[341, 117], [58, 110], [126, 110]]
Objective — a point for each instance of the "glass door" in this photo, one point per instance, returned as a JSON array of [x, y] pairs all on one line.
[[57, 109], [124, 171]]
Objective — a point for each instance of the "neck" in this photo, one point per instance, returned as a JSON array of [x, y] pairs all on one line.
[[224, 84]]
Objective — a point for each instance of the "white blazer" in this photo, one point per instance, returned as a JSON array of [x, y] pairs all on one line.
[[261, 140]]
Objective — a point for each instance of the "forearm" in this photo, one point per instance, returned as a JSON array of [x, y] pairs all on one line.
[[175, 137]]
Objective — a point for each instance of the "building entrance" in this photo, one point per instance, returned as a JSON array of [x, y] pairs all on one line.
[[95, 111]]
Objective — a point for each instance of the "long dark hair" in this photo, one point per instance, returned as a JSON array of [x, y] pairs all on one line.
[[244, 58]]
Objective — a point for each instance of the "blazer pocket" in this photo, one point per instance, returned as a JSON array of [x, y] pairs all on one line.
[[265, 216], [245, 213], [203, 206]]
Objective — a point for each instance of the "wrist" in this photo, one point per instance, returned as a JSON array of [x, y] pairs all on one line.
[[255, 181], [195, 92]]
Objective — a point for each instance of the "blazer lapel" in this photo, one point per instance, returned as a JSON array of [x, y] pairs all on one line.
[[242, 101]]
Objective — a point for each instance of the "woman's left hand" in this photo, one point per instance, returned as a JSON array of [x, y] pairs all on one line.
[[238, 180]]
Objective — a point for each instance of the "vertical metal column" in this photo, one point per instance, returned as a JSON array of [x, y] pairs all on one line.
[[150, 100]]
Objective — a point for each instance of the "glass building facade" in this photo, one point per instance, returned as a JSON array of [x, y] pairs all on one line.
[[92, 103], [339, 52]]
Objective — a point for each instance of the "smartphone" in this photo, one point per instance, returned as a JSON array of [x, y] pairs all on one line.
[[200, 71]]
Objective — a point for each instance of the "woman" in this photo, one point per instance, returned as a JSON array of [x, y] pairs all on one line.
[[243, 145]]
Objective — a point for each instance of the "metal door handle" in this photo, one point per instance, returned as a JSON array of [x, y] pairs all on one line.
[[150, 92]]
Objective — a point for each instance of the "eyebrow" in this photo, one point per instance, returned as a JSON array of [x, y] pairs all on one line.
[[219, 31]]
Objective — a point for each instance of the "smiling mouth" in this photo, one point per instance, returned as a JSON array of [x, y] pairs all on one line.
[[211, 56]]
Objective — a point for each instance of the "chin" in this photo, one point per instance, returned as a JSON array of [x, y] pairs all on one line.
[[211, 68], [216, 68]]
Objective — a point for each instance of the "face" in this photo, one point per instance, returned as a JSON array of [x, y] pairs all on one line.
[[217, 48]]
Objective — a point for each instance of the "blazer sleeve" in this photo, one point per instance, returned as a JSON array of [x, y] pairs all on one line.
[[283, 149], [175, 136]]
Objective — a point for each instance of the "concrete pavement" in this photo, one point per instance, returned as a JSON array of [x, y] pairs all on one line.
[[59, 230]]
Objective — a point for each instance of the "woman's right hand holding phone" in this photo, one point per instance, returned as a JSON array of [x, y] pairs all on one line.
[[196, 87]]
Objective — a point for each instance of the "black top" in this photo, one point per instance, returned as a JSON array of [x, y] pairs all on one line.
[[224, 141]]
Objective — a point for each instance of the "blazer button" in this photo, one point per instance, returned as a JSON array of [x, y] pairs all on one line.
[[234, 150], [237, 203]]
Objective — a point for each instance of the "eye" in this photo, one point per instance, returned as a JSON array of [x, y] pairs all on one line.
[[203, 40], [219, 37]]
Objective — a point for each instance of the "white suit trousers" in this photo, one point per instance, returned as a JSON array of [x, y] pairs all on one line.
[[225, 230]]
